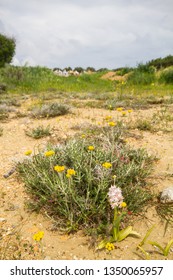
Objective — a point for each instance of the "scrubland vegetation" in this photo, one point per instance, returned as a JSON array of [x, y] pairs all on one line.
[[71, 179]]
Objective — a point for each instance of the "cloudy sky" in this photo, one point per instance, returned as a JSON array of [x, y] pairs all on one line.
[[98, 33]]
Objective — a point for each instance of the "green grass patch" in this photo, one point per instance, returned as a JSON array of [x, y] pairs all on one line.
[[41, 79]]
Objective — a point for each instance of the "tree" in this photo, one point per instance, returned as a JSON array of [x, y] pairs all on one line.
[[7, 49]]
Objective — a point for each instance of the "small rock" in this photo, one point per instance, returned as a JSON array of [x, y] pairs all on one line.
[[167, 195], [2, 220]]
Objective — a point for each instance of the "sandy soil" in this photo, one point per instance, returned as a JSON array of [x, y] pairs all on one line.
[[15, 218]]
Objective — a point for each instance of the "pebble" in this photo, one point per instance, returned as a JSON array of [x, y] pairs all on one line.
[[2, 220], [167, 195]]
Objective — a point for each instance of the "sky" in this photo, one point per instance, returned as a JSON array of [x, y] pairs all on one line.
[[95, 33]]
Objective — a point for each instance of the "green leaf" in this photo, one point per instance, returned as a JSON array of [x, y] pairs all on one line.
[[146, 236], [125, 232], [153, 243], [102, 244], [147, 256], [167, 248]]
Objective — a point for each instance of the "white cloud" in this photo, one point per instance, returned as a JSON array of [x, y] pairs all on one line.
[[89, 33]]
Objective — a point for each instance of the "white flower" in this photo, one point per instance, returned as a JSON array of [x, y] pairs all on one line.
[[115, 196]]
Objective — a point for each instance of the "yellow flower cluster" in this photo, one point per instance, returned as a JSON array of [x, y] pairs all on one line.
[[91, 148], [119, 109], [49, 153], [107, 165], [123, 205], [59, 168], [28, 153], [83, 136], [38, 236], [111, 123], [110, 246], [124, 113], [70, 172], [108, 118]]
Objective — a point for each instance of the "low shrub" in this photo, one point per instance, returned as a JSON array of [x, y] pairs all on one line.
[[39, 132], [4, 112], [50, 110], [71, 180], [167, 76]]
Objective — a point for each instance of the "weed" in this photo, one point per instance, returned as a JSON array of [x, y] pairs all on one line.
[[165, 211], [14, 247], [39, 132], [4, 112], [164, 250], [144, 125]]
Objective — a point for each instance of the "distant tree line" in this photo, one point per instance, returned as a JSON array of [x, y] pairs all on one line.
[[160, 63]]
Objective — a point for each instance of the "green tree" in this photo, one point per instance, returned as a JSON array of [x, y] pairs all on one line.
[[7, 49]]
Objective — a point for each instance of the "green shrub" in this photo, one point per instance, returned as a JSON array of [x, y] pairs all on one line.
[[7, 49], [142, 75], [39, 132], [167, 76], [122, 71], [50, 110], [80, 199], [4, 112], [141, 78], [160, 63], [144, 125]]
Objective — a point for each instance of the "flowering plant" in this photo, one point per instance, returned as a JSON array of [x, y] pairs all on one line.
[[115, 198]]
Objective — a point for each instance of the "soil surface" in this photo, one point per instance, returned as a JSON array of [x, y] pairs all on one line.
[[15, 219]]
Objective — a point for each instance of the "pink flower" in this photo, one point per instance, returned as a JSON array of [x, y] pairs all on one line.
[[115, 196]]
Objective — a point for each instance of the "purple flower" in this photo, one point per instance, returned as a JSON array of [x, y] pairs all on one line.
[[115, 196]]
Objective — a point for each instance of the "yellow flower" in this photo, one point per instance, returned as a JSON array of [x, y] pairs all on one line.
[[59, 168], [28, 153], [110, 246], [123, 204], [124, 113], [108, 118], [130, 111], [83, 136], [111, 123], [70, 172], [38, 236], [91, 148], [107, 165], [49, 153], [114, 176], [119, 109]]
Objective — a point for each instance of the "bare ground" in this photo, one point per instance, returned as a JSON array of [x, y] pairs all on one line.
[[17, 220]]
